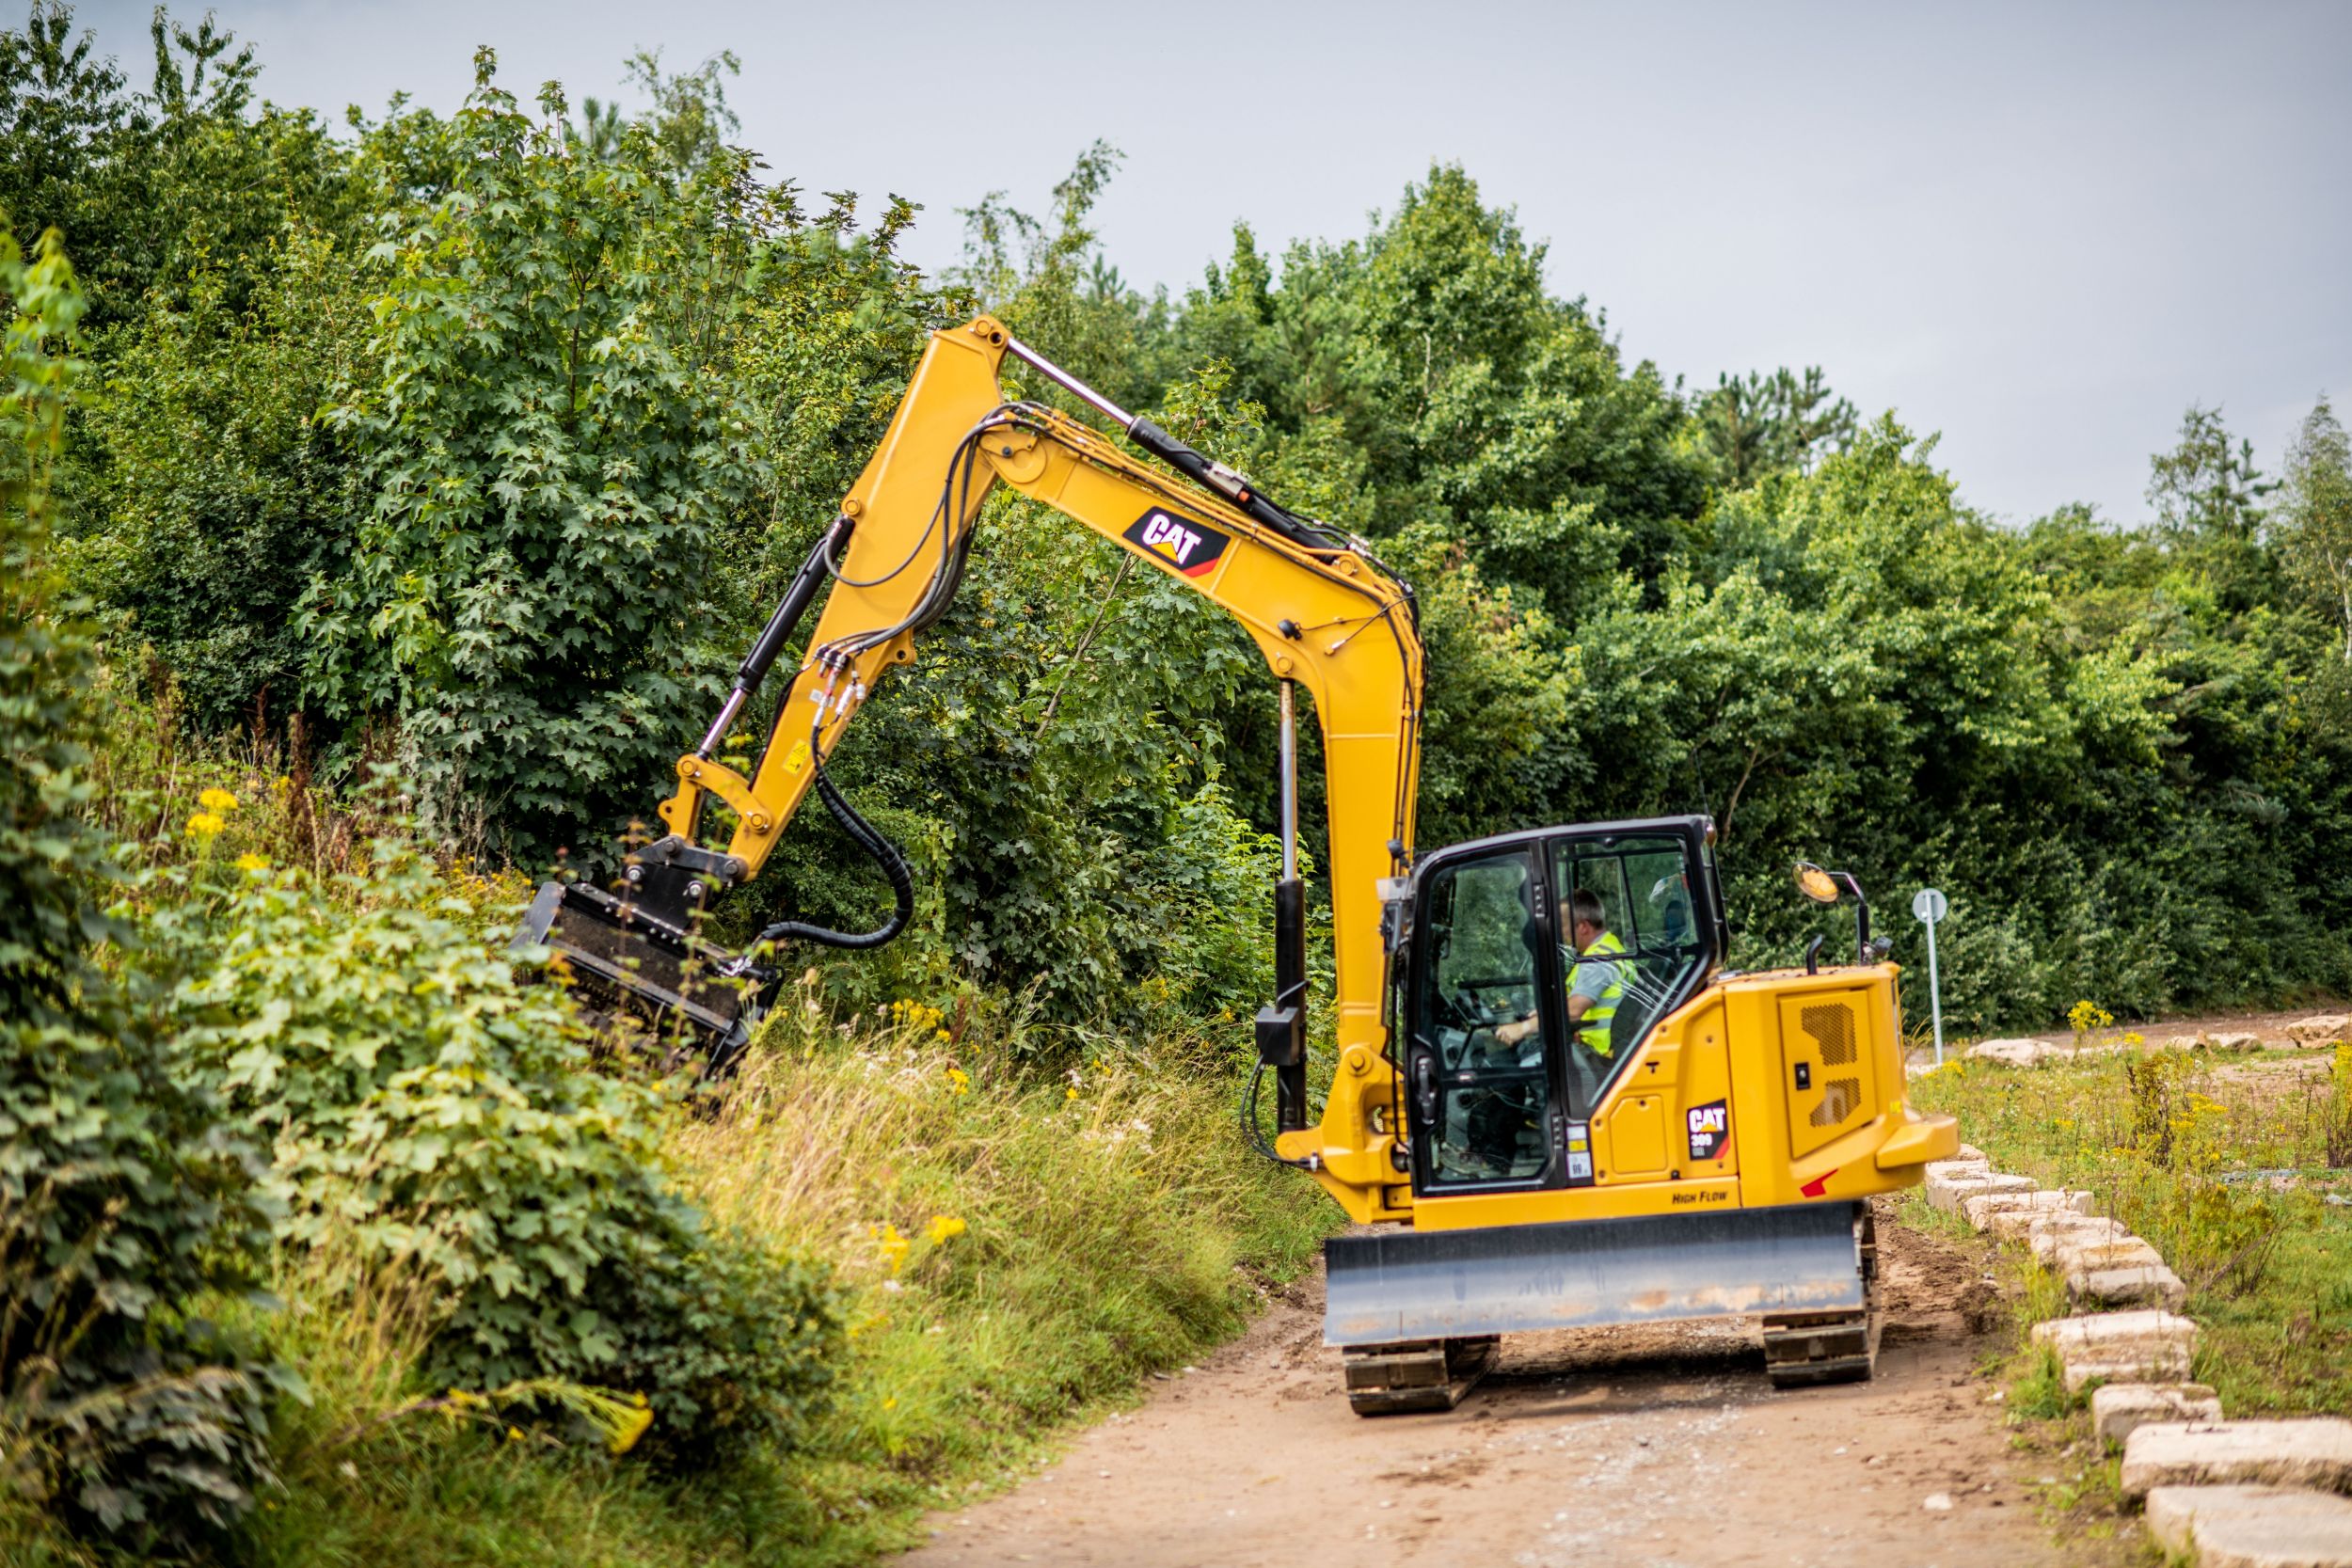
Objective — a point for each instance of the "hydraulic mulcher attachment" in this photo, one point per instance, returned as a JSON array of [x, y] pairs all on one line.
[[1416, 1311], [643, 982]]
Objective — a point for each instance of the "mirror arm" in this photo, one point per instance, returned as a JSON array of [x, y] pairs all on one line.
[[1861, 917]]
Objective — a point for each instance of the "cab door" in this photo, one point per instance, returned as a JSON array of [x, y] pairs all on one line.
[[1480, 1064]]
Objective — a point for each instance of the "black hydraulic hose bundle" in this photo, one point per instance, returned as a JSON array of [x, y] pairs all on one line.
[[885, 855]]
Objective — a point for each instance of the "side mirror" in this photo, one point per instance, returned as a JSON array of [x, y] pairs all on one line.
[[1824, 887]]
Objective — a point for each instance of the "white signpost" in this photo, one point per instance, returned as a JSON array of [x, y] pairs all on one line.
[[1928, 904]]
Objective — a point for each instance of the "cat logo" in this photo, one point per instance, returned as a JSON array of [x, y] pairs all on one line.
[[1710, 1131], [1178, 542]]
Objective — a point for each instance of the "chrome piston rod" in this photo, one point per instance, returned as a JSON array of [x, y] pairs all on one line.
[[1289, 785], [1069, 383]]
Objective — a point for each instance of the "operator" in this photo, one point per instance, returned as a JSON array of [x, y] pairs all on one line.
[[1595, 987]]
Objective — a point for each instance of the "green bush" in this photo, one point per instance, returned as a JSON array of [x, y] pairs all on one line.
[[426, 1103], [122, 1198], [222, 491]]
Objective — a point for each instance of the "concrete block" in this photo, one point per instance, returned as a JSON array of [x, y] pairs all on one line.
[[2082, 1256], [2145, 1285], [2115, 1331], [2010, 1053], [1971, 1152], [2252, 1527], [2236, 1042], [1945, 1192], [2321, 1029], [2049, 1231], [1984, 1210], [2146, 1346], [2119, 1407], [2171, 1367], [2181, 1042], [1979, 1165], [2313, 1451], [2016, 1225]]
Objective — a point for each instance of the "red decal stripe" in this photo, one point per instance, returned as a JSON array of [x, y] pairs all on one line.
[[1820, 1184]]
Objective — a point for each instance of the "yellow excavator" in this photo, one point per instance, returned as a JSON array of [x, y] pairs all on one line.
[[1552, 1105]]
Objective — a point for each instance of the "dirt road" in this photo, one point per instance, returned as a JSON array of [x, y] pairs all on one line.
[[1643, 1449]]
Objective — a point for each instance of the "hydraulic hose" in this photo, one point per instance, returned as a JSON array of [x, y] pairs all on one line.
[[885, 854]]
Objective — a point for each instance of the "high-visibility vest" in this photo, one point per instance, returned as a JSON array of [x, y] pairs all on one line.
[[1593, 1028]]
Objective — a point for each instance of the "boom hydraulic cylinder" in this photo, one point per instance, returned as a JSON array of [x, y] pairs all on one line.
[[1282, 1026]]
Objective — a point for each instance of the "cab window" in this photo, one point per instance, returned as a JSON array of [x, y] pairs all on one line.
[[1631, 949]]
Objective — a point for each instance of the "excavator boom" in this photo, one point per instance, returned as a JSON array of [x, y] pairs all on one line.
[[1323, 610]]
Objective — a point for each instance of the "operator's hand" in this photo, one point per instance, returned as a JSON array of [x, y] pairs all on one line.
[[1511, 1034]]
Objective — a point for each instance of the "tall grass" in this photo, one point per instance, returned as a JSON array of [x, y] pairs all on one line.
[[1017, 1249], [1103, 1234]]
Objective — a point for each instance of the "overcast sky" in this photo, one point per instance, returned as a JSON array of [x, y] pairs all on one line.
[[2042, 229]]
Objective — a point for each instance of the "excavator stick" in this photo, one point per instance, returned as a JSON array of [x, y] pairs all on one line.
[[1410, 1307]]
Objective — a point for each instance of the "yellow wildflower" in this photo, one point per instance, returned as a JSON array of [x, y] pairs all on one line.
[[943, 1226], [250, 861], [891, 1404], [216, 800], [204, 825], [1071, 1093], [958, 1081], [629, 1428], [281, 783], [514, 1434], [894, 1247]]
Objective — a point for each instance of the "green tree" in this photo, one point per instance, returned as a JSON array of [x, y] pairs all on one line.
[[1473, 400], [529, 594], [1752, 425], [2313, 515], [218, 491], [1048, 282], [2208, 500], [153, 187]]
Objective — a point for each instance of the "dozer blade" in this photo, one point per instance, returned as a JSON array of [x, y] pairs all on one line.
[[644, 983], [1388, 1287]]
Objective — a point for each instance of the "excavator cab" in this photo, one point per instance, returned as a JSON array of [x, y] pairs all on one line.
[[1495, 1106], [1604, 1126]]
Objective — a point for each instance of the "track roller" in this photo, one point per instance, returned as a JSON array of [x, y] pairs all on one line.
[[1426, 1375]]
